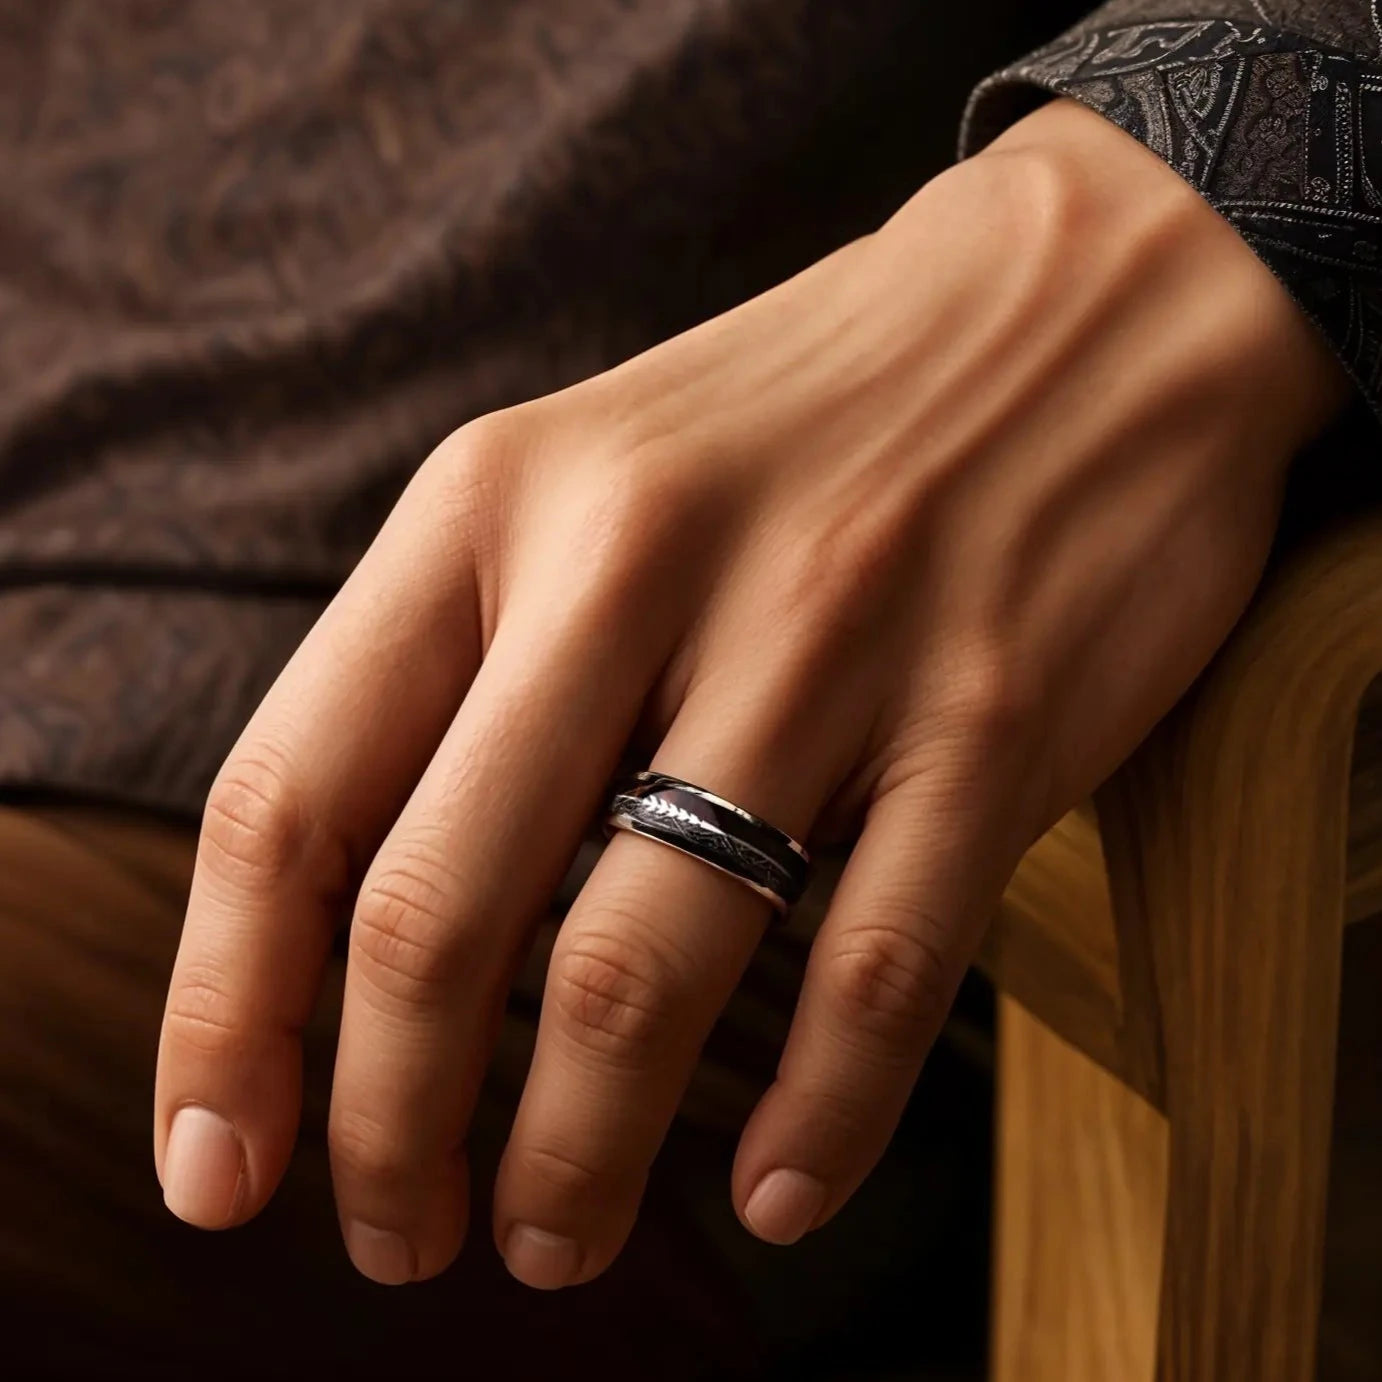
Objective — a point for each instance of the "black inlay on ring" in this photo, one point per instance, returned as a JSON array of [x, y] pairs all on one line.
[[682, 815]]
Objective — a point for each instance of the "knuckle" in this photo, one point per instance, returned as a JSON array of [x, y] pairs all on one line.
[[638, 516], [849, 1109], [991, 699], [202, 1014], [483, 447], [404, 934], [363, 1148], [890, 981], [611, 996], [827, 580], [253, 827], [618, 540], [572, 1176], [467, 483], [853, 555]]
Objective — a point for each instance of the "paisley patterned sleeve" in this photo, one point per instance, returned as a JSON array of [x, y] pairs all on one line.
[[1272, 109]]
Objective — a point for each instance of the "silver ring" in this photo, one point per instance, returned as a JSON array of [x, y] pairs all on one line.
[[713, 830]]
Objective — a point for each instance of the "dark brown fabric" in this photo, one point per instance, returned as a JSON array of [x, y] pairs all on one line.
[[256, 259]]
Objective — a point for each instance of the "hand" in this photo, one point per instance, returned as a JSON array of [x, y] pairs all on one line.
[[916, 546]]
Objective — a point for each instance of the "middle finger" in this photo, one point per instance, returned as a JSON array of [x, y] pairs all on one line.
[[445, 910]]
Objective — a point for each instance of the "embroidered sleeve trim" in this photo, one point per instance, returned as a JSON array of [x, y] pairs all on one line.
[[1282, 136]]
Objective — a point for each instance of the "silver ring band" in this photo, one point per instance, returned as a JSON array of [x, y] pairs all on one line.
[[713, 830]]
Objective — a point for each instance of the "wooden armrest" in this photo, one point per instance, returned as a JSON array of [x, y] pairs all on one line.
[[1288, 710]]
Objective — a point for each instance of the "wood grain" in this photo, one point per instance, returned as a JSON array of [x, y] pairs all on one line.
[[1364, 899], [1053, 945], [1237, 841], [1231, 829], [1081, 1197]]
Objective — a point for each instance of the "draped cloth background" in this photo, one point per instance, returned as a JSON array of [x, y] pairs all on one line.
[[256, 260]]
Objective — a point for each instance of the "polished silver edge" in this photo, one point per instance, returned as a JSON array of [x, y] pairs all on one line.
[[652, 803], [621, 820], [651, 775]]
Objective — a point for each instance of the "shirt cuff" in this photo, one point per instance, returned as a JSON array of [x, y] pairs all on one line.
[[1283, 137]]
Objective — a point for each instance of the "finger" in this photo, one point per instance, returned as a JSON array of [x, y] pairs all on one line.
[[311, 785], [451, 897], [643, 965], [899, 933]]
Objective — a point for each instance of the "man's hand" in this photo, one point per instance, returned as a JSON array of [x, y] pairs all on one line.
[[916, 546]]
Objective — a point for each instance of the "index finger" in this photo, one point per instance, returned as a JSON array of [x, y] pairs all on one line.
[[317, 776]]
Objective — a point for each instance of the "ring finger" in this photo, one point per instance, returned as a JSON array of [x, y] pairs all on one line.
[[645, 961]]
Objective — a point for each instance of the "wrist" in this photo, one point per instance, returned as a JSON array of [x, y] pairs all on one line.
[[1105, 222]]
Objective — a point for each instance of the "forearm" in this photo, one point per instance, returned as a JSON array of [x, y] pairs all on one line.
[[1264, 107]]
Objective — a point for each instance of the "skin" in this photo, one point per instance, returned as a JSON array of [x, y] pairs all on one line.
[[913, 549]]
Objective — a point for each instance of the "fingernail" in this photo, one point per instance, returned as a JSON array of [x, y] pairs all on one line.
[[203, 1168], [541, 1259], [784, 1204], [380, 1254]]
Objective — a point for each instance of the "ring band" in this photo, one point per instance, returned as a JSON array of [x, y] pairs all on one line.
[[713, 830]]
